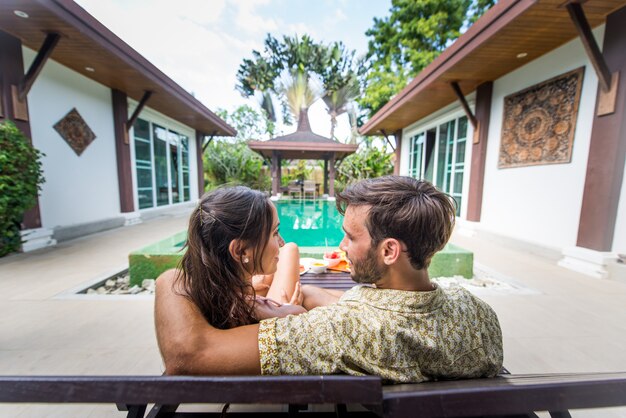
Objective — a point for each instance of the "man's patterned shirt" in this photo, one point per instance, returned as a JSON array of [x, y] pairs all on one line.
[[401, 336]]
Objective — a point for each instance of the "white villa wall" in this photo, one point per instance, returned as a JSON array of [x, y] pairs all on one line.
[[160, 119], [78, 189], [540, 204]]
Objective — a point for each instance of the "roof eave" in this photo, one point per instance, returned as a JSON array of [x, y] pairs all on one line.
[[500, 14]]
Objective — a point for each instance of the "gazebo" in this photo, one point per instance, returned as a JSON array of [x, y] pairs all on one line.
[[303, 144]]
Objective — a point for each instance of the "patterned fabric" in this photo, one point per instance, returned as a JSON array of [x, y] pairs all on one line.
[[399, 335]]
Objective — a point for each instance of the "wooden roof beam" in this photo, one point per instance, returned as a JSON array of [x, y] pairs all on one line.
[[466, 108], [146, 96], [608, 82], [35, 68], [577, 14], [387, 138], [206, 143]]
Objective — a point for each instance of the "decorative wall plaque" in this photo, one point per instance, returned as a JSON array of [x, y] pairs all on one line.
[[75, 131], [539, 122]]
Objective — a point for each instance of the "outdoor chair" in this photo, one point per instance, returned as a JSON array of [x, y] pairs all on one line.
[[309, 187], [294, 188]]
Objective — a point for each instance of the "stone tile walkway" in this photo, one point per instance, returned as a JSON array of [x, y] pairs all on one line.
[[567, 323]]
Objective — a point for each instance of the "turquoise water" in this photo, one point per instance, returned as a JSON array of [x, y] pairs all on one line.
[[310, 223]]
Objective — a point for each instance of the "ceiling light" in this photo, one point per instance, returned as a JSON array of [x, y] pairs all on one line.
[[20, 14], [522, 55], [90, 69]]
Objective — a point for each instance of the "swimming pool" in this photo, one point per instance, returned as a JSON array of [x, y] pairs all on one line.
[[310, 223]]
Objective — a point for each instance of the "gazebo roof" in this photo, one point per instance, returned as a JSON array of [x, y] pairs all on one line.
[[303, 144]]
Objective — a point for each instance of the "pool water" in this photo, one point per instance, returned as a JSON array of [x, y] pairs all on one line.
[[310, 223]]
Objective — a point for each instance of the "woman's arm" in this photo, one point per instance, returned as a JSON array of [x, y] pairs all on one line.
[[283, 282], [189, 345], [316, 296]]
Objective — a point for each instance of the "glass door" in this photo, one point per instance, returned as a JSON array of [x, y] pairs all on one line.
[[160, 166]]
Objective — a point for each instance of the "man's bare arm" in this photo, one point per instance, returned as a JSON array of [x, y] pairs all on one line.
[[189, 345]]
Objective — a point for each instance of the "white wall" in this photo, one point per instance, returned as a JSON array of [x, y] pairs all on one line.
[[540, 204], [77, 189]]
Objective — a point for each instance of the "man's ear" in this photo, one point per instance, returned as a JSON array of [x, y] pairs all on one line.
[[391, 249]]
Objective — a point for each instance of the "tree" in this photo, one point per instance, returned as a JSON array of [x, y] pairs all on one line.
[[229, 160], [249, 123], [368, 162], [299, 92], [340, 81], [256, 77], [21, 178], [298, 62], [410, 38]]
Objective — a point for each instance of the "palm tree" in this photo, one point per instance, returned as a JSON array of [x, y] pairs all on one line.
[[341, 83], [338, 101], [299, 90]]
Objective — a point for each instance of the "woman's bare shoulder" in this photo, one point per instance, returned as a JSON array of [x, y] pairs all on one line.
[[167, 283]]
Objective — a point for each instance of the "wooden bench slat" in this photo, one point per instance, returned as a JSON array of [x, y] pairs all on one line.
[[188, 389], [508, 394]]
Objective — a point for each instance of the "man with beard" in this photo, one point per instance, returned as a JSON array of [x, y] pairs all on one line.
[[398, 325]]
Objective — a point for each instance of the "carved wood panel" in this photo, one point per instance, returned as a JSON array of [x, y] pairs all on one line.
[[539, 122], [75, 131]]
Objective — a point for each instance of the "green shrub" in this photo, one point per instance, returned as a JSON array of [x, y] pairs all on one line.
[[367, 162], [232, 162], [21, 178]]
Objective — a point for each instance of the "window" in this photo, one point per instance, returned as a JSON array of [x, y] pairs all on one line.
[[161, 164], [438, 155]]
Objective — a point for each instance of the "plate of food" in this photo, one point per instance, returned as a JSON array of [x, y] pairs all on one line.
[[337, 261], [305, 265]]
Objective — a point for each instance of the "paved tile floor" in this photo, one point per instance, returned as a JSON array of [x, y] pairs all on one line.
[[567, 323]]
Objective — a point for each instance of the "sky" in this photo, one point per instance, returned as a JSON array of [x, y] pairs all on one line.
[[201, 43]]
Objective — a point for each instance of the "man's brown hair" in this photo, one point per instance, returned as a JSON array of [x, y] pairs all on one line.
[[412, 211]]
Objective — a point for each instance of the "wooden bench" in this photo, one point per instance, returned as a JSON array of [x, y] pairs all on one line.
[[503, 396], [134, 393]]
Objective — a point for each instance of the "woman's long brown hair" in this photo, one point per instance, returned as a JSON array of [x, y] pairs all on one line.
[[208, 274]]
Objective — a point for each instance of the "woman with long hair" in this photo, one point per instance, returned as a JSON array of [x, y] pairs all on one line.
[[234, 265]]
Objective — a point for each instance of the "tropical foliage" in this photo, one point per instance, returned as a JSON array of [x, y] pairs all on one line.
[[410, 38], [303, 63], [368, 162], [232, 162], [229, 160], [21, 178]]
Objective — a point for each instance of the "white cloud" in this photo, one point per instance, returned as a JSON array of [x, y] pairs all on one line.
[[200, 44], [250, 20]]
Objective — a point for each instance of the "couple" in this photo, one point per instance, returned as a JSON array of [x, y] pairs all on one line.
[[236, 306]]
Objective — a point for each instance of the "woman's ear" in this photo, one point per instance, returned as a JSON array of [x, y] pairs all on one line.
[[391, 249], [239, 251]]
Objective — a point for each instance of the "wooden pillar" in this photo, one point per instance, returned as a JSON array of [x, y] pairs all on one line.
[[122, 151], [479, 151], [280, 173], [331, 192], [398, 151], [607, 150], [11, 74], [199, 162], [275, 175], [326, 175]]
